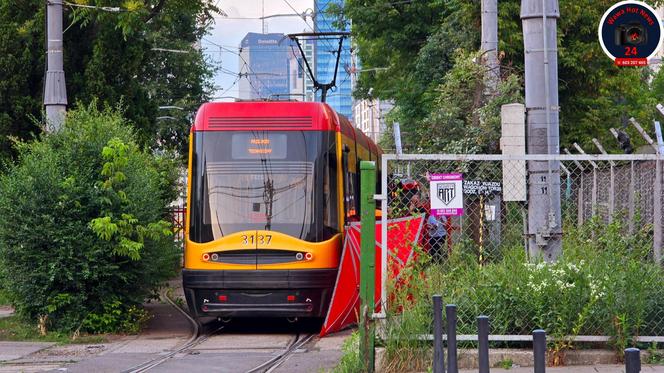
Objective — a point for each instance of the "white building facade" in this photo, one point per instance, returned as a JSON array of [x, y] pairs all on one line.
[[369, 116]]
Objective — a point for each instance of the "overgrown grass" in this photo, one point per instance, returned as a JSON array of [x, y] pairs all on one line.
[[604, 284], [12, 328], [350, 361]]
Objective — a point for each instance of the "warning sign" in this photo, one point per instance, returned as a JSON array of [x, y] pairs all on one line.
[[446, 194], [477, 187]]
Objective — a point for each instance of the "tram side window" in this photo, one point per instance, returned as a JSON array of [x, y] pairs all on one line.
[[330, 201], [350, 187]]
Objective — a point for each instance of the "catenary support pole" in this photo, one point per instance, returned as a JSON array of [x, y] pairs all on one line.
[[489, 44], [539, 19], [367, 263], [451, 316], [55, 92], [438, 353]]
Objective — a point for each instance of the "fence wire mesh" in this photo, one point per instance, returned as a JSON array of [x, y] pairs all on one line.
[[622, 191]]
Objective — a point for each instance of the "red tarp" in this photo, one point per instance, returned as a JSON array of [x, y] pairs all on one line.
[[402, 234]]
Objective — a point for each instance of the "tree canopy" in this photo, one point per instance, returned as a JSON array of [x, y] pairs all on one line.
[[419, 43], [111, 57]]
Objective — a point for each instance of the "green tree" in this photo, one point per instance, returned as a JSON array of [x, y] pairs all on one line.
[[418, 47], [109, 56], [83, 239]]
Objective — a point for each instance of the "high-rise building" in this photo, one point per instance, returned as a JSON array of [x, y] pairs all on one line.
[[264, 66], [340, 98], [369, 116], [301, 85]]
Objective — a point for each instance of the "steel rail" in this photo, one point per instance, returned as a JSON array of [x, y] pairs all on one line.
[[196, 338], [272, 364]]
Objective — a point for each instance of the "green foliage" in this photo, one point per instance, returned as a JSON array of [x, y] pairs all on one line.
[[505, 364], [83, 238], [350, 360], [109, 57], [435, 89], [604, 284], [14, 328]]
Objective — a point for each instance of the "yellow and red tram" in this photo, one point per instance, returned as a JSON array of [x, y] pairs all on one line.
[[271, 186]]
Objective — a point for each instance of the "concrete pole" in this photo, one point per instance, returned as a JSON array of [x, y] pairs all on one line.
[[397, 137], [489, 44], [539, 18], [55, 92]]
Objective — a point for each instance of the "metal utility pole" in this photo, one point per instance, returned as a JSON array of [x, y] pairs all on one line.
[[490, 43], [539, 18], [397, 137], [55, 91]]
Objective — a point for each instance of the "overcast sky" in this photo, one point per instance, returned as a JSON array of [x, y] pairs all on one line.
[[227, 32]]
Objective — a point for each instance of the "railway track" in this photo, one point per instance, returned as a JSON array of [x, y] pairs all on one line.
[[269, 366], [200, 335]]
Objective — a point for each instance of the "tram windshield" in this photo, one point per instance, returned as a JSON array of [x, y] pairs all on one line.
[[264, 180]]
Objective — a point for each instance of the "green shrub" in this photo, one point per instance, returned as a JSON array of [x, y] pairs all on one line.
[[604, 284], [83, 236]]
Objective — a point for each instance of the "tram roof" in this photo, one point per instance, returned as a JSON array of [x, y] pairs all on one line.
[[276, 116]]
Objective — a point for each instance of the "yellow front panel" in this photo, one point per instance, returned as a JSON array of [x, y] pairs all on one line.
[[326, 254], [236, 241]]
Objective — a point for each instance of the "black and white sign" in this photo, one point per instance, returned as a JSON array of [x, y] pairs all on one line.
[[480, 187]]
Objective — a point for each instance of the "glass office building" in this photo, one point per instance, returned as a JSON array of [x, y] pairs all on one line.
[[264, 66], [340, 98]]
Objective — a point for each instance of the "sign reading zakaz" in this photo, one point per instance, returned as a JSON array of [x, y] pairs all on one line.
[[446, 194], [630, 33]]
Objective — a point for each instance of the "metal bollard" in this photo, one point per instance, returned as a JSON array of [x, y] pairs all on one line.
[[451, 315], [539, 350], [438, 353], [483, 339], [632, 360]]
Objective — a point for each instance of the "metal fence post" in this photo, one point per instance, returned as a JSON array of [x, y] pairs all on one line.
[[367, 262], [632, 360], [539, 350], [630, 198], [451, 316], [580, 203], [483, 343], [657, 213], [438, 353]]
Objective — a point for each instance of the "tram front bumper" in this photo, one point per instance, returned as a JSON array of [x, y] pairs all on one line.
[[259, 293]]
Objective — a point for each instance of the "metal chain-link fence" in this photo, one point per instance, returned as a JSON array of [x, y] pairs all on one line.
[[620, 191]]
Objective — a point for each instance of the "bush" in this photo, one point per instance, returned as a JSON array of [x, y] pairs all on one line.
[[83, 238], [604, 284]]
